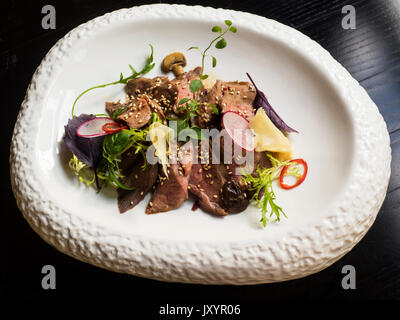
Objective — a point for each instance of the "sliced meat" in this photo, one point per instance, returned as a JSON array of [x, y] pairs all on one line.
[[227, 96], [129, 159], [138, 114], [219, 190], [139, 177], [183, 85], [172, 190], [155, 107], [161, 89], [206, 183], [137, 86], [111, 107]]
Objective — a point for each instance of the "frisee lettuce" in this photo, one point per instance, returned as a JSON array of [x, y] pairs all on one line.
[[82, 171], [264, 195]]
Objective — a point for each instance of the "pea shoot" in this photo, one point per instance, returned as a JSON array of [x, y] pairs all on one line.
[[220, 43], [122, 80], [191, 106]]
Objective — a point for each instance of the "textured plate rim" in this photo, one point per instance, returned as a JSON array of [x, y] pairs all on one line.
[[244, 262]]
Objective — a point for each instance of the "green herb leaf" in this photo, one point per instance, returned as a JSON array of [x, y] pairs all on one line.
[[221, 44], [191, 48], [192, 105], [216, 29], [203, 76], [118, 112], [233, 29], [184, 100], [132, 69], [115, 143], [214, 61], [214, 108], [195, 85], [150, 58], [228, 22]]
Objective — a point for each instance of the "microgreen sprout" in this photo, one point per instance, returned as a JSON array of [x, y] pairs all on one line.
[[220, 43], [122, 80], [191, 106]]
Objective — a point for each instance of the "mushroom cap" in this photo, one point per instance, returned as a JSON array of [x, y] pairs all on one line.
[[175, 58]]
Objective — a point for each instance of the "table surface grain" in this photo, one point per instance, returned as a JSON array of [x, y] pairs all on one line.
[[371, 53]]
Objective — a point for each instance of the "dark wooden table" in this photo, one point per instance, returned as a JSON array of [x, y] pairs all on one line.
[[371, 53]]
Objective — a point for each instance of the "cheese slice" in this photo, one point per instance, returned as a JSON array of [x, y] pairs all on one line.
[[267, 136], [159, 136]]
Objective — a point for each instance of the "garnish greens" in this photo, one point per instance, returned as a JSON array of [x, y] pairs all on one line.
[[191, 106], [192, 110], [221, 43], [115, 145], [84, 173], [263, 184], [122, 80]]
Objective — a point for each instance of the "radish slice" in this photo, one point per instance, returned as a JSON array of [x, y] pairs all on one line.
[[238, 129], [94, 127]]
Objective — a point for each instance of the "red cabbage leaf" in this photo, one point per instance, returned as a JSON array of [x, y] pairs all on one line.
[[262, 102], [87, 150]]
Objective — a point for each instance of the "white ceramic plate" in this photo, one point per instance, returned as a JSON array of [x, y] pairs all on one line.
[[342, 136]]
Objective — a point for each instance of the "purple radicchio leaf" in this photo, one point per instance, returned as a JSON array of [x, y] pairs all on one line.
[[87, 150], [262, 102]]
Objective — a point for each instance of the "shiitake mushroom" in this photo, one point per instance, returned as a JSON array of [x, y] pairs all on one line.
[[234, 197]]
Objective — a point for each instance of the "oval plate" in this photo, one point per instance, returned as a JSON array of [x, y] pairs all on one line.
[[342, 136]]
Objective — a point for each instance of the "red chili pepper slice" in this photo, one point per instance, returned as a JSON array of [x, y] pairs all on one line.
[[113, 127], [300, 178]]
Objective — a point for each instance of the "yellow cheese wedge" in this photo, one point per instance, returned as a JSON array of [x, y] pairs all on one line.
[[159, 136], [267, 136]]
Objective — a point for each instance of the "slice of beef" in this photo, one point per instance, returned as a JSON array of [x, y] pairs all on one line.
[[207, 180], [218, 187], [227, 96], [111, 107], [172, 190], [161, 89], [136, 113], [129, 159], [141, 180], [206, 183], [137, 86], [155, 107], [182, 83], [238, 97]]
